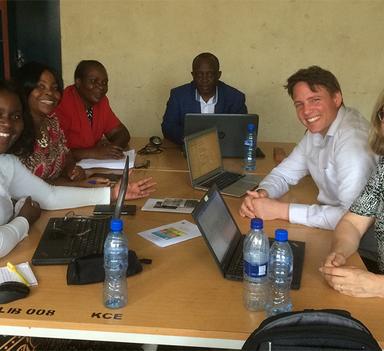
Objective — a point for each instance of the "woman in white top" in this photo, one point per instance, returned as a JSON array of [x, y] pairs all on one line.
[[17, 183]]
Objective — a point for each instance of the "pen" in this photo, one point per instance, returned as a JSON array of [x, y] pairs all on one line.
[[13, 269], [92, 182]]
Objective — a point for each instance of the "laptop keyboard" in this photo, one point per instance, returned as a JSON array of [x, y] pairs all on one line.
[[64, 239], [235, 268], [87, 237], [222, 180]]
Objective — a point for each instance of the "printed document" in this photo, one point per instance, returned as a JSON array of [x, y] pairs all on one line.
[[170, 234], [175, 205]]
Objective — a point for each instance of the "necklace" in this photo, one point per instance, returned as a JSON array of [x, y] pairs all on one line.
[[43, 140]]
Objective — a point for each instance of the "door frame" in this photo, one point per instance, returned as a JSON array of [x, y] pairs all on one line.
[[5, 40]]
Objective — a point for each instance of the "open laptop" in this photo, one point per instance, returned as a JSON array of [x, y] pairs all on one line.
[[225, 241], [232, 129], [206, 167], [69, 237]]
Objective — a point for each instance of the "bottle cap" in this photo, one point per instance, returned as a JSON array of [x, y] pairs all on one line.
[[251, 128], [281, 235], [116, 225], [256, 223]]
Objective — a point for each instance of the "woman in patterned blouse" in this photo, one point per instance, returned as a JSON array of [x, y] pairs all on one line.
[[51, 157], [367, 209]]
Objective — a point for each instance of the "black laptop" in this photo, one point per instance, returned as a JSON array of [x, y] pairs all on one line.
[[225, 241], [69, 237], [232, 130]]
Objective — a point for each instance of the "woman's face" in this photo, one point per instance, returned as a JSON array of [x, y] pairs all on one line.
[[93, 86], [45, 97], [11, 120]]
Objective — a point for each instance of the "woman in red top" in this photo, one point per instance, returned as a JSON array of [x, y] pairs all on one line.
[[91, 127], [51, 156]]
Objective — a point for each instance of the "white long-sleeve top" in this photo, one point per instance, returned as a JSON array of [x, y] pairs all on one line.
[[17, 182], [340, 164]]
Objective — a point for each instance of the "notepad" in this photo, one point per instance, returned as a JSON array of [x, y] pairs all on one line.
[[24, 268]]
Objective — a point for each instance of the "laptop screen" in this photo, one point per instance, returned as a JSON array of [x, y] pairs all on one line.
[[216, 223], [203, 152], [123, 189], [231, 129]]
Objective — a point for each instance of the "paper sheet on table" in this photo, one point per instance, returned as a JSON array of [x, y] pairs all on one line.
[[111, 164], [24, 269], [170, 234]]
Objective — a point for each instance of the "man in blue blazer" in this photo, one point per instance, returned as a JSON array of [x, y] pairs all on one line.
[[205, 94]]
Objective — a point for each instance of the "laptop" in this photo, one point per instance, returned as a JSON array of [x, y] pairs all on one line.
[[225, 241], [206, 167], [66, 238], [232, 129]]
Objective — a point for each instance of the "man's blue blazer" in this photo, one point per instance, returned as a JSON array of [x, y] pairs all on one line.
[[182, 100]]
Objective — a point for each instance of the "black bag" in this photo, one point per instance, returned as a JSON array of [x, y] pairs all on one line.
[[90, 269], [311, 330]]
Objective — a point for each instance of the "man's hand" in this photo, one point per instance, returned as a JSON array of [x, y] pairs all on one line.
[[30, 210], [246, 208], [269, 209], [353, 281], [105, 151]]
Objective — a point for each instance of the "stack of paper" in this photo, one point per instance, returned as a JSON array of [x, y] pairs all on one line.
[[111, 164]]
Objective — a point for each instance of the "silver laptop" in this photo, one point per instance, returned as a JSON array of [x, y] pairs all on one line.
[[206, 167], [232, 129]]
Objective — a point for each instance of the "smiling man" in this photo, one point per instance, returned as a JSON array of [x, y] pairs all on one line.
[[205, 94], [334, 151], [90, 126]]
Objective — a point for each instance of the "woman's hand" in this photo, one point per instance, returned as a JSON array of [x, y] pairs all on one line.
[[136, 190], [335, 259], [30, 210], [99, 182], [354, 281], [76, 173]]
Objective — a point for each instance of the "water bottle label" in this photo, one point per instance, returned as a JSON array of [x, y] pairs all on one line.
[[254, 270], [248, 142]]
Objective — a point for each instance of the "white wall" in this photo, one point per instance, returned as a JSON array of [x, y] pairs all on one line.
[[148, 46]]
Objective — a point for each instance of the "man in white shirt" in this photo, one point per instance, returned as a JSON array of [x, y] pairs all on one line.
[[334, 151]]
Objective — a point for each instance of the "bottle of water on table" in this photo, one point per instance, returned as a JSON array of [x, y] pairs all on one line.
[[255, 254], [115, 293], [280, 275], [250, 148]]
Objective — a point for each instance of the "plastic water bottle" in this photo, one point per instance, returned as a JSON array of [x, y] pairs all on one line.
[[250, 148], [255, 254], [115, 266], [280, 275]]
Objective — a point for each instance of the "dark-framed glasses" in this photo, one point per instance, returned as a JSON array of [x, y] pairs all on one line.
[[380, 113]]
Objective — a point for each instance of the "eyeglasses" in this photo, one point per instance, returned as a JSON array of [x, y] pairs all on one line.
[[380, 113]]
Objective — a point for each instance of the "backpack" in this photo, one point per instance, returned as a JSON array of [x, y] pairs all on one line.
[[310, 330]]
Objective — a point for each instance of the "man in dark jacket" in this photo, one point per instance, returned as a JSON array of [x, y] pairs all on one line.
[[205, 94]]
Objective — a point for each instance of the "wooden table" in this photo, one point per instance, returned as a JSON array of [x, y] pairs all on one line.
[[172, 159], [181, 298]]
